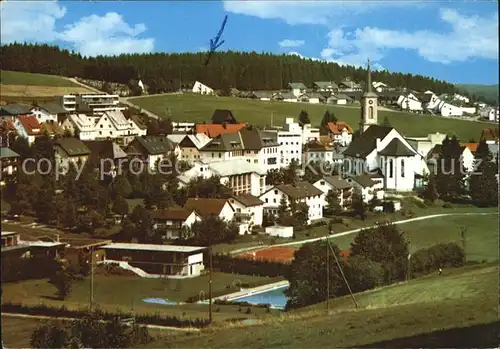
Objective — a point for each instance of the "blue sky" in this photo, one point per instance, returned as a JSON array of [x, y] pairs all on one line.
[[454, 41]]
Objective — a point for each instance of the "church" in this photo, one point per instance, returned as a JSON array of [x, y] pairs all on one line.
[[381, 151]]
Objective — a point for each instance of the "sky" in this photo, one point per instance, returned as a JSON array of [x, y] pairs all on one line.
[[456, 41]]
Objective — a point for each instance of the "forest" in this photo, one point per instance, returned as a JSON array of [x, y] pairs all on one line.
[[247, 71]]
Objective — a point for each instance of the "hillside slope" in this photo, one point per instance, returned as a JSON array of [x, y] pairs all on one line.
[[489, 92]]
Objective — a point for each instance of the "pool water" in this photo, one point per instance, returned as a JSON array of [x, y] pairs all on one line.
[[162, 301], [276, 298]]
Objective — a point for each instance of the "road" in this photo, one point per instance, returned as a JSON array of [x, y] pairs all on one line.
[[295, 243], [42, 317], [75, 81]]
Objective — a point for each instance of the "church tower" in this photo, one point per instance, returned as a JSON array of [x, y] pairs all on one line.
[[369, 114]]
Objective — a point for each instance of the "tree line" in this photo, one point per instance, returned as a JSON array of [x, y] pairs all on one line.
[[170, 72]]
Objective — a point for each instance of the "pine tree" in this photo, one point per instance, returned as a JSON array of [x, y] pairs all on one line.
[[483, 181], [450, 172], [304, 118], [386, 122], [430, 192]]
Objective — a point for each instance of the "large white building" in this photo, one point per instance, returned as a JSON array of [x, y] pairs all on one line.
[[200, 88], [96, 103], [290, 140], [81, 126], [190, 145], [410, 102]]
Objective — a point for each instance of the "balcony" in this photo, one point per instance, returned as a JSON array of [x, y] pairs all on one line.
[[241, 217]]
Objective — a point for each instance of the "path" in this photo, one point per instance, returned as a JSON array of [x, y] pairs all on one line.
[[43, 317], [295, 243], [75, 81], [126, 100]]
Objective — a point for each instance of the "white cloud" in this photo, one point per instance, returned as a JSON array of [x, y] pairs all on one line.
[[469, 37], [35, 21], [287, 43]]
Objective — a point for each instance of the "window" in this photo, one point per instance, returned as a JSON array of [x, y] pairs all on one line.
[[322, 182], [267, 200], [391, 169], [274, 200], [276, 192], [402, 168], [220, 155], [370, 112]]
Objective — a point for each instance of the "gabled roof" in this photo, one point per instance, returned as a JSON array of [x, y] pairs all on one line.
[[297, 85], [14, 109], [52, 128], [221, 116], [206, 207], [396, 148], [288, 95], [425, 97], [104, 149], [342, 96], [365, 181], [317, 147], [337, 127], [138, 121], [8, 153], [472, 146], [175, 213], [316, 95], [337, 182], [299, 190], [73, 146], [326, 85], [52, 108], [30, 124], [364, 144], [248, 200], [198, 140], [214, 130], [245, 139], [152, 145], [350, 84]]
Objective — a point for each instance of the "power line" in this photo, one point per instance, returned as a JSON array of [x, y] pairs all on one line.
[[342, 272]]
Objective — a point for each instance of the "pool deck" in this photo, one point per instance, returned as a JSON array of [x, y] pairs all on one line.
[[251, 291]]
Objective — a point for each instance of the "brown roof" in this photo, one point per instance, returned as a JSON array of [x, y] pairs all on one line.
[[299, 190], [337, 182], [52, 128], [472, 146], [204, 206], [172, 214], [365, 181], [315, 146], [248, 200], [337, 127], [214, 130]]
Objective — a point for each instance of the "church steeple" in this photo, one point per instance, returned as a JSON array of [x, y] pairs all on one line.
[[369, 113]]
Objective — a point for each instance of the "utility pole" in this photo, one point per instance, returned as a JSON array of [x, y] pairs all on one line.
[[342, 273], [327, 276], [463, 234], [91, 295], [210, 286]]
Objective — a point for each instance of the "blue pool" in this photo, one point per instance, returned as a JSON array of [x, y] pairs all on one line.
[[276, 298], [162, 301]]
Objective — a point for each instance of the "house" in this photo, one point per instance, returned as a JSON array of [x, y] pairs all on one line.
[[466, 158], [161, 260], [223, 116], [67, 102], [303, 98], [207, 207], [338, 98], [13, 110], [183, 127], [190, 145], [113, 124], [152, 150], [490, 135], [248, 210], [367, 187], [200, 88], [138, 127], [461, 98], [325, 86], [288, 97], [423, 145], [49, 112], [335, 183], [260, 95], [95, 103], [315, 98], [347, 85], [489, 113], [81, 126], [297, 88], [27, 126], [340, 132], [309, 133], [379, 86], [9, 161], [106, 155], [214, 130], [290, 140], [301, 192], [318, 153], [251, 144], [381, 149], [70, 151], [238, 174], [52, 129], [447, 109], [410, 102], [173, 221]]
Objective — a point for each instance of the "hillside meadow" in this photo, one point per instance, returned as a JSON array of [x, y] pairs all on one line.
[[197, 108]]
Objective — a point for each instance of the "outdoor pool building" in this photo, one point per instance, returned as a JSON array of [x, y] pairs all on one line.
[[168, 260]]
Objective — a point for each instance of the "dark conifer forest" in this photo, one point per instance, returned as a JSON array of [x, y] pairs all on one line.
[[168, 72]]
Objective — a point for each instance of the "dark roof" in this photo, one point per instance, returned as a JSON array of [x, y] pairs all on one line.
[[425, 97], [221, 116], [73, 146], [365, 181], [396, 148], [245, 139], [172, 213], [152, 145], [104, 149], [364, 144], [205, 207], [435, 152], [326, 84], [299, 190], [138, 121], [248, 200], [297, 85], [53, 108], [337, 182], [8, 153], [14, 109]]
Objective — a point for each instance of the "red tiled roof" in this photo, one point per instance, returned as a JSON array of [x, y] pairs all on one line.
[[205, 207], [213, 130], [7, 125], [30, 124], [337, 127], [472, 146]]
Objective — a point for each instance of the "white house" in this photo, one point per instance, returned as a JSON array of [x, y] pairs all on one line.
[[489, 113], [461, 98], [248, 211], [410, 102], [290, 140], [338, 98], [379, 86], [173, 221], [113, 124], [70, 150], [49, 112], [206, 207], [81, 126], [200, 88], [151, 149], [467, 158], [309, 133], [301, 192], [335, 183], [367, 187], [27, 126], [138, 127], [297, 88], [340, 132], [98, 103], [315, 98], [190, 145], [288, 97], [325, 86], [318, 152], [447, 109]]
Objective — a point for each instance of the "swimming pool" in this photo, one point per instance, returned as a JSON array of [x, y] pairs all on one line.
[[275, 297]]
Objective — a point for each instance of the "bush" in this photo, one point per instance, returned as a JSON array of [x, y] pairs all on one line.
[[427, 260], [388, 207], [447, 205]]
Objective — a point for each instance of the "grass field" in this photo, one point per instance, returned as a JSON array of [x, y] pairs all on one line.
[[455, 309], [196, 108], [21, 78], [114, 292]]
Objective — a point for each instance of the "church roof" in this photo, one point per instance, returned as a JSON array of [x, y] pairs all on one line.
[[364, 144], [396, 148]]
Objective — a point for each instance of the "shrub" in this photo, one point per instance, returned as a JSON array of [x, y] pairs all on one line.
[[427, 260], [447, 205], [248, 311], [388, 207]]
